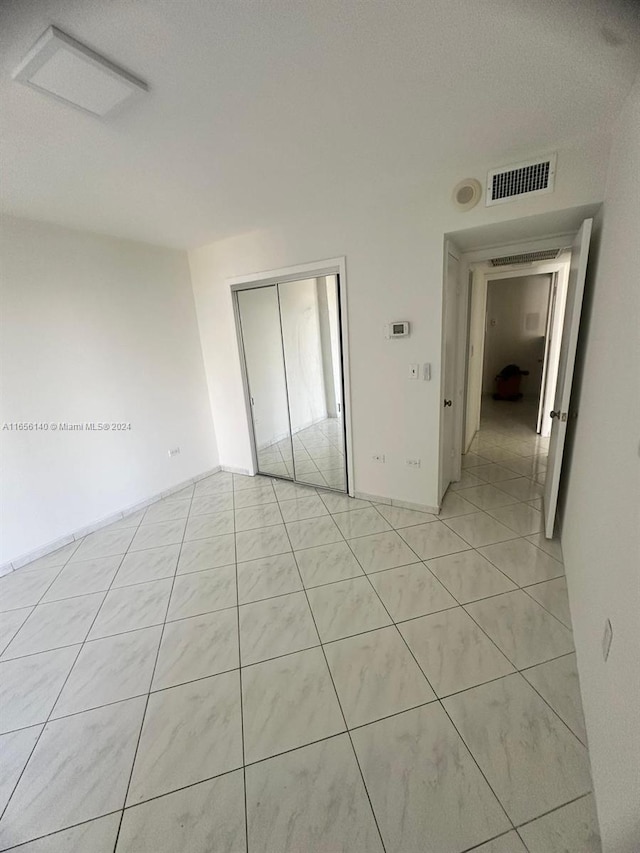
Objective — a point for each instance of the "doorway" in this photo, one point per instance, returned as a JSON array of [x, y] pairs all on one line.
[[517, 350], [513, 306]]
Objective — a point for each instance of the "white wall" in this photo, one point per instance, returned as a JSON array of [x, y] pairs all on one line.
[[94, 329], [262, 341], [331, 289], [302, 352], [392, 238], [601, 519], [328, 321], [515, 327]]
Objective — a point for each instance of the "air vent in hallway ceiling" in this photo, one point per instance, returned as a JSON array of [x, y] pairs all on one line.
[[509, 183], [526, 258]]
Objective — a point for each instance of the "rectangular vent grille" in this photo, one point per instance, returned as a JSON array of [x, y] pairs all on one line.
[[526, 258], [522, 179]]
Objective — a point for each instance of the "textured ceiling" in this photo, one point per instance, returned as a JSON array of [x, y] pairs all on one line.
[[257, 107]]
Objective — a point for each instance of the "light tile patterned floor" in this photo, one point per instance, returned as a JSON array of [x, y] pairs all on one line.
[[251, 665], [315, 455]]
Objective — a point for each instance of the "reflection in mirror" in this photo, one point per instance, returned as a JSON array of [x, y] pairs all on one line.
[[262, 342], [311, 340]]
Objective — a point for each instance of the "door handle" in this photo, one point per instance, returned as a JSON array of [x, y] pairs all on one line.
[[448, 403], [561, 416], [553, 414]]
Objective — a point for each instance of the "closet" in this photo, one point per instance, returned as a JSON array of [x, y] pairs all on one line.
[[290, 341]]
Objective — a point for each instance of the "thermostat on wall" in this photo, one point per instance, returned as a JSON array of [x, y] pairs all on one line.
[[399, 329]]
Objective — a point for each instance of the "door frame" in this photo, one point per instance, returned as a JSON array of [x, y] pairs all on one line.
[[552, 308], [481, 275], [458, 371], [571, 324], [332, 266]]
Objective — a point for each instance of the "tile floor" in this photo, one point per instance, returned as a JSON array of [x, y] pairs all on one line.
[[318, 454], [251, 665]]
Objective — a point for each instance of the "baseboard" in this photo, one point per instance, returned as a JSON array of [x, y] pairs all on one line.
[[231, 470], [50, 547], [380, 499]]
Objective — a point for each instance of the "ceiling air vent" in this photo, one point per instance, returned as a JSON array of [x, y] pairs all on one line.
[[526, 258], [508, 183]]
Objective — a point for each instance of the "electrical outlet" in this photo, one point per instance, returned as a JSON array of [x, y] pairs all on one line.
[[174, 451], [413, 463], [378, 457]]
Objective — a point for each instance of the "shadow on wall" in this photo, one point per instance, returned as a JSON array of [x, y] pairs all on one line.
[[516, 321]]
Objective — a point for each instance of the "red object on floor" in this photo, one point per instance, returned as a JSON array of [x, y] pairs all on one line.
[[508, 389], [508, 383]]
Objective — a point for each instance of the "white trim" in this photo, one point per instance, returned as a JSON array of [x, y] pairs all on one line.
[[477, 319], [317, 269], [81, 532], [520, 247], [476, 261], [450, 249], [233, 470], [313, 270], [482, 275], [381, 499]]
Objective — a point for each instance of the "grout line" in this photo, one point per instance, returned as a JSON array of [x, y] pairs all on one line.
[[22, 845], [304, 589], [287, 654], [278, 755], [237, 608], [550, 612], [555, 809], [153, 672], [26, 764], [546, 701], [437, 698], [324, 654]]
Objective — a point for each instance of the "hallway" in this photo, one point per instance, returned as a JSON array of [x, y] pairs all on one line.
[[254, 665]]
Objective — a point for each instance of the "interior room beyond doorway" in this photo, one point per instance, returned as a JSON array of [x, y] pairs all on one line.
[[516, 336]]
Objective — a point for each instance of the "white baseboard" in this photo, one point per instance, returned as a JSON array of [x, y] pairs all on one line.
[[380, 499], [231, 470], [50, 547]]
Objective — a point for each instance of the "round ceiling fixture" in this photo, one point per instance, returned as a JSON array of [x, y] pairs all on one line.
[[467, 194]]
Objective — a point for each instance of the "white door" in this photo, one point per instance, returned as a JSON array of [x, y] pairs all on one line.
[[477, 323], [575, 292], [544, 385], [449, 401]]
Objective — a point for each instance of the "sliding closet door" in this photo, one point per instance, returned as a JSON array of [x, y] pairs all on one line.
[[310, 319], [262, 343]]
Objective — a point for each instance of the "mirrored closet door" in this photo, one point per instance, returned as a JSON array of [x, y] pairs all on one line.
[[290, 335]]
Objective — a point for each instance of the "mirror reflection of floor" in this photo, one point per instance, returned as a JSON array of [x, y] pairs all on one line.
[[319, 455]]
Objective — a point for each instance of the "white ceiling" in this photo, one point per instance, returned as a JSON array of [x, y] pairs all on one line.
[[260, 106]]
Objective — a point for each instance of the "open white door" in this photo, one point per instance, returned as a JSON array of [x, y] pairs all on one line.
[[575, 292], [449, 400], [544, 385], [475, 356]]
